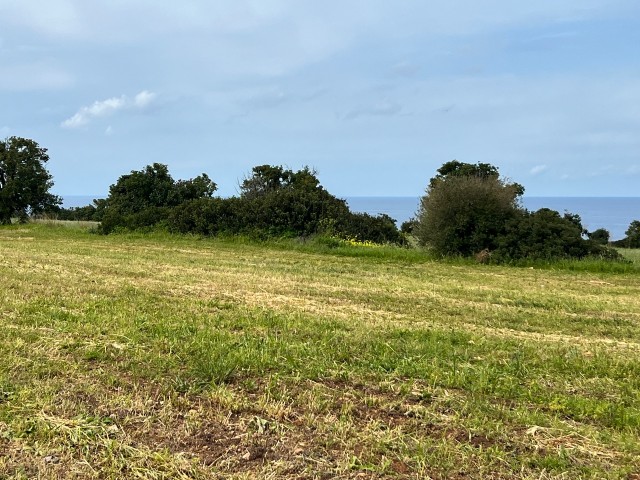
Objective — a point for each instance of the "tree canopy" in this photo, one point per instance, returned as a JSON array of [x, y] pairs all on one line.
[[468, 209], [24, 180], [143, 198], [465, 208], [633, 234]]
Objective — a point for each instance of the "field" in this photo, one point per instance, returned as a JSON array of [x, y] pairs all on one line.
[[134, 356], [632, 254]]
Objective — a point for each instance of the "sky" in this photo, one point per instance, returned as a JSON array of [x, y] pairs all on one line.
[[375, 95]]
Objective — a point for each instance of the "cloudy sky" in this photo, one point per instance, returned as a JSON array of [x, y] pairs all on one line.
[[374, 94]]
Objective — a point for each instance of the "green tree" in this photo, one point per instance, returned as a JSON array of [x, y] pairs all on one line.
[[544, 234], [265, 179], [24, 180], [275, 201], [633, 234], [144, 198], [601, 236], [455, 169], [465, 209]]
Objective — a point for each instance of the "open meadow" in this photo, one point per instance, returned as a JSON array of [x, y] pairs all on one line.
[[133, 356]]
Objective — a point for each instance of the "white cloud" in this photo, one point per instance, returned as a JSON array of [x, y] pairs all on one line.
[[105, 17], [271, 37], [144, 99], [538, 169], [109, 131], [107, 107]]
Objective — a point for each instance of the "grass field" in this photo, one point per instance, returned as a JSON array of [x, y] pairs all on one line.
[[632, 254], [171, 357]]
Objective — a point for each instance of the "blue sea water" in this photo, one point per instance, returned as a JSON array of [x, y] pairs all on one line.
[[613, 213]]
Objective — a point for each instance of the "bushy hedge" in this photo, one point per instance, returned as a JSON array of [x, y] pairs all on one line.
[[469, 210], [545, 234], [273, 202]]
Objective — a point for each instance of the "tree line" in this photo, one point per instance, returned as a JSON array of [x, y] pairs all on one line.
[[467, 209], [273, 202]]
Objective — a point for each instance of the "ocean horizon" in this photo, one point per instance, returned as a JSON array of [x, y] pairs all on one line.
[[612, 213]]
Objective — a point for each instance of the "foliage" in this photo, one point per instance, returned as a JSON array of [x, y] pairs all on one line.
[[205, 216], [454, 168], [279, 202], [408, 226], [273, 202], [633, 235], [90, 213], [462, 214], [469, 210], [144, 198], [600, 236], [546, 234], [24, 180], [377, 229]]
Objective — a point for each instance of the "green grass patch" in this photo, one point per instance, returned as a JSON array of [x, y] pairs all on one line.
[[632, 254], [161, 356]]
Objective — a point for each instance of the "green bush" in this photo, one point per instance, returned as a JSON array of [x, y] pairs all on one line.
[[364, 227], [544, 234], [469, 210], [463, 215], [143, 199]]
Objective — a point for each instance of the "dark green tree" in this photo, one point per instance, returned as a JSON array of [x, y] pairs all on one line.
[[144, 198], [544, 234], [633, 235], [455, 169], [24, 180], [465, 209], [278, 201], [601, 236], [265, 179]]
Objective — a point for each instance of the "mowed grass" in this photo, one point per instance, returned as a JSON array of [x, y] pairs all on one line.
[[135, 356]]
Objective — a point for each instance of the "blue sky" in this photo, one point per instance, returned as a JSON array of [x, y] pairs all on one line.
[[374, 94]]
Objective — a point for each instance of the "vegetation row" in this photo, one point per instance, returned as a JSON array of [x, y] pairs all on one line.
[[468, 210]]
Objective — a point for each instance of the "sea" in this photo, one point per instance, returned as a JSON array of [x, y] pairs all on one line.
[[612, 213]]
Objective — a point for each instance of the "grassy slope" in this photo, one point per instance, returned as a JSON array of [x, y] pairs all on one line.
[[152, 357]]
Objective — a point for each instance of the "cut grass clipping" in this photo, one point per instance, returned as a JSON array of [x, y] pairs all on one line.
[[157, 356]]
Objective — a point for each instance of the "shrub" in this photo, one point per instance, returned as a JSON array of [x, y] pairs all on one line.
[[463, 215], [469, 210], [600, 236], [364, 227]]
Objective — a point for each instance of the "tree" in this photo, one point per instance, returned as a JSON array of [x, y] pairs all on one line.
[[144, 198], [544, 234], [633, 234], [24, 180], [265, 179], [455, 169], [601, 236], [465, 209], [275, 201]]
